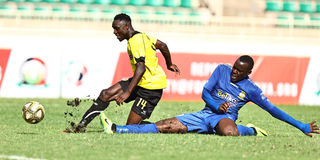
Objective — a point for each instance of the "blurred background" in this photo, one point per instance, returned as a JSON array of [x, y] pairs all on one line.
[[66, 48]]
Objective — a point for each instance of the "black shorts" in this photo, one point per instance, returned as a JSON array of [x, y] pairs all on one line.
[[145, 100]]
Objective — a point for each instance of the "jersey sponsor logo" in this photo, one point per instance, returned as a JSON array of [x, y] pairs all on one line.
[[227, 97]]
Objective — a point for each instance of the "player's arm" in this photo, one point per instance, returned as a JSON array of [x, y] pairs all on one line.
[[265, 104], [211, 83], [138, 73], [167, 56]]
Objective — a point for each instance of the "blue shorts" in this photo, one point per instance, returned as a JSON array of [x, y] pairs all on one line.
[[203, 121]]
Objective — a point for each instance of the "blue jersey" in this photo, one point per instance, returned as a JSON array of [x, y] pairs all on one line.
[[222, 90]]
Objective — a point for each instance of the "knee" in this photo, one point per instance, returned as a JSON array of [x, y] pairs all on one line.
[[105, 95], [229, 131]]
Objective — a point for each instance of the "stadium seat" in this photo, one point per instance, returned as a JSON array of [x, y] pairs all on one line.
[[154, 3], [301, 20], [284, 20], [85, 1], [163, 15], [16, 1], [68, 1], [137, 2], [146, 14], [76, 12], [128, 10], [289, 6], [306, 7], [93, 13], [273, 5], [25, 10], [181, 16], [102, 2], [186, 3], [317, 7], [34, 1], [315, 21], [59, 11], [42, 11], [119, 2], [171, 3], [108, 13], [7, 10]]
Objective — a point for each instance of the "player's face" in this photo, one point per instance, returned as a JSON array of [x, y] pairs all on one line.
[[120, 29], [240, 70]]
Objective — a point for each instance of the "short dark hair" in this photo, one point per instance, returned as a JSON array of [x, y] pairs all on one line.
[[122, 17], [247, 59]]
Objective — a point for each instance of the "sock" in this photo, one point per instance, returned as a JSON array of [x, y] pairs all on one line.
[[97, 106], [137, 128], [245, 131]]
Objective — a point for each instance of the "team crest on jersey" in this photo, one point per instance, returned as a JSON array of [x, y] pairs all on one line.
[[242, 95]]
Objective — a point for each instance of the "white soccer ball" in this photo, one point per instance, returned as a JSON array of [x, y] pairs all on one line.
[[33, 112]]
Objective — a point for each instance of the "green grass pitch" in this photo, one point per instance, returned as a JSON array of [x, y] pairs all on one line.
[[44, 140]]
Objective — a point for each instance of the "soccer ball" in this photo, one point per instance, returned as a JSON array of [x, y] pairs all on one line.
[[33, 112]]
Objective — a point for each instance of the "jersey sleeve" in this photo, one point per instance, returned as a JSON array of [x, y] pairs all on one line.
[[138, 48], [213, 79], [262, 101]]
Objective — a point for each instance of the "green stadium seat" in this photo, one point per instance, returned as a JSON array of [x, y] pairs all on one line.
[[273, 5], [146, 14], [102, 2], [16, 1], [34, 1], [128, 10], [85, 1], [59, 11], [42, 11], [7, 10], [318, 7], [119, 2], [154, 3], [1, 1], [93, 12], [163, 15], [301, 21], [171, 3], [180, 16], [109, 12], [68, 1], [24, 10], [76, 12], [315, 21], [284, 20], [137, 2], [186, 3], [289, 6], [306, 7]]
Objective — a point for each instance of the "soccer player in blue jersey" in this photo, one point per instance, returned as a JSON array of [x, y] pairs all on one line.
[[226, 92]]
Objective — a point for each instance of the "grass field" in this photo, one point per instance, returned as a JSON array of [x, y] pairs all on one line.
[[19, 140]]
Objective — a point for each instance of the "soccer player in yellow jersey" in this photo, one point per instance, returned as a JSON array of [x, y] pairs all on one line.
[[148, 81]]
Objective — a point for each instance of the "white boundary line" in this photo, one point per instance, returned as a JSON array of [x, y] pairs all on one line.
[[15, 157]]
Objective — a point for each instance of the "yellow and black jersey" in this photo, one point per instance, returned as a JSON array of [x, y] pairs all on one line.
[[141, 48]]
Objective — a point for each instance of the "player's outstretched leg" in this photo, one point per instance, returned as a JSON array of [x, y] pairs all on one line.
[[258, 131], [111, 128], [106, 123]]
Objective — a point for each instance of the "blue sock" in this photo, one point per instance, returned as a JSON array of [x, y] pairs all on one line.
[[137, 128], [245, 131]]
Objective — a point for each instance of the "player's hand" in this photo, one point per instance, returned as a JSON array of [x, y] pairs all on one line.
[[174, 68], [224, 107], [313, 128], [122, 97]]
